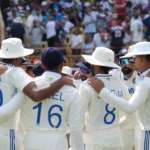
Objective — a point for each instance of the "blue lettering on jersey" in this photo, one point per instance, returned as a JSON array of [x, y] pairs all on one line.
[[57, 96], [118, 93], [111, 112], [131, 90]]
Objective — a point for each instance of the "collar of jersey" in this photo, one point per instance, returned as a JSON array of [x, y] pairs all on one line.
[[8, 65], [103, 75], [144, 73], [52, 75], [134, 74]]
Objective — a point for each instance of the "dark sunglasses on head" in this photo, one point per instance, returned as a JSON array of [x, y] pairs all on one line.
[[124, 61], [85, 71]]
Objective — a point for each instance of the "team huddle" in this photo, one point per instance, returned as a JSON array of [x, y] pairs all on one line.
[[109, 111]]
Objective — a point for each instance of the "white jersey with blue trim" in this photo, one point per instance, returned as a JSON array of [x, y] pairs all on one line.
[[59, 112], [131, 82], [100, 120], [12, 80]]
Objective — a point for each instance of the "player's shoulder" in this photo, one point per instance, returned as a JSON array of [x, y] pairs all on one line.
[[104, 77], [69, 89]]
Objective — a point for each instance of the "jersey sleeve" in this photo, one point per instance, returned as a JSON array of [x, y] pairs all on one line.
[[131, 106], [19, 78], [74, 122], [7, 110]]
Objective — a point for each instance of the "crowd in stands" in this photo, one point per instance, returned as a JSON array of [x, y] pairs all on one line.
[[79, 24]]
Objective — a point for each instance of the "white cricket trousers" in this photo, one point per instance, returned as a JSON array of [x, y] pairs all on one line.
[[7, 139], [45, 140], [98, 147], [128, 139]]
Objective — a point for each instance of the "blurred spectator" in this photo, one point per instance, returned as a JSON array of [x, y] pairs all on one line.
[[60, 33], [102, 21], [69, 4], [55, 6], [114, 18], [146, 23], [106, 4], [38, 16], [36, 34], [126, 22], [120, 6], [89, 21], [74, 18], [28, 24], [68, 25], [117, 34], [76, 41], [100, 38], [57, 16], [17, 30], [136, 29], [50, 31], [89, 46]]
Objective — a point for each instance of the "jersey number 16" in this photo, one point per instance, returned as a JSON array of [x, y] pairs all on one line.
[[50, 115]]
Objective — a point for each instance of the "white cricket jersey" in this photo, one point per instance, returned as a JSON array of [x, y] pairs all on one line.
[[139, 101], [130, 82], [56, 113], [117, 73], [12, 80], [100, 119]]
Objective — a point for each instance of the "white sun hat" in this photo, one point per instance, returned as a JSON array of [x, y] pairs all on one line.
[[12, 48], [101, 57], [67, 70], [141, 48]]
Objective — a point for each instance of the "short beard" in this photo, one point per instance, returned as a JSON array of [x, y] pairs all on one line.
[[126, 70]]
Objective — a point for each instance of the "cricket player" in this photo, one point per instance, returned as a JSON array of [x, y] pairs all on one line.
[[101, 130], [12, 83], [140, 100], [49, 120], [130, 133]]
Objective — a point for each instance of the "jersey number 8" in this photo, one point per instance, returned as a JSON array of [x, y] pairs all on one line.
[[1, 98], [50, 115], [109, 112]]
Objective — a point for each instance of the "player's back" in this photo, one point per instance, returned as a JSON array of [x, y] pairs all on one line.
[[102, 119], [53, 112], [7, 91]]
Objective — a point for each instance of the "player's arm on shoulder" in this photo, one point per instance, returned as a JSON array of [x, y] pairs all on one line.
[[24, 83], [8, 109], [74, 122]]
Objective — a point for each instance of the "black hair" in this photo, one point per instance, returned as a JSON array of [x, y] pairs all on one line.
[[147, 57], [106, 69]]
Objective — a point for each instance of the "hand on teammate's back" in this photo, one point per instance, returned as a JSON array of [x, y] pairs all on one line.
[[96, 83], [3, 68]]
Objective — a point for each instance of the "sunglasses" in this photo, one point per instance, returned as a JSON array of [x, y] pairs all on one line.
[[124, 61], [85, 71]]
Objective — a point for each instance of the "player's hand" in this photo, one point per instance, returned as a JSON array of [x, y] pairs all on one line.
[[96, 83], [67, 81], [77, 74], [3, 68], [148, 74]]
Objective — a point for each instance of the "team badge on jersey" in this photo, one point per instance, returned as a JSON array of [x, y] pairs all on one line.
[[50, 78], [134, 80], [108, 79]]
